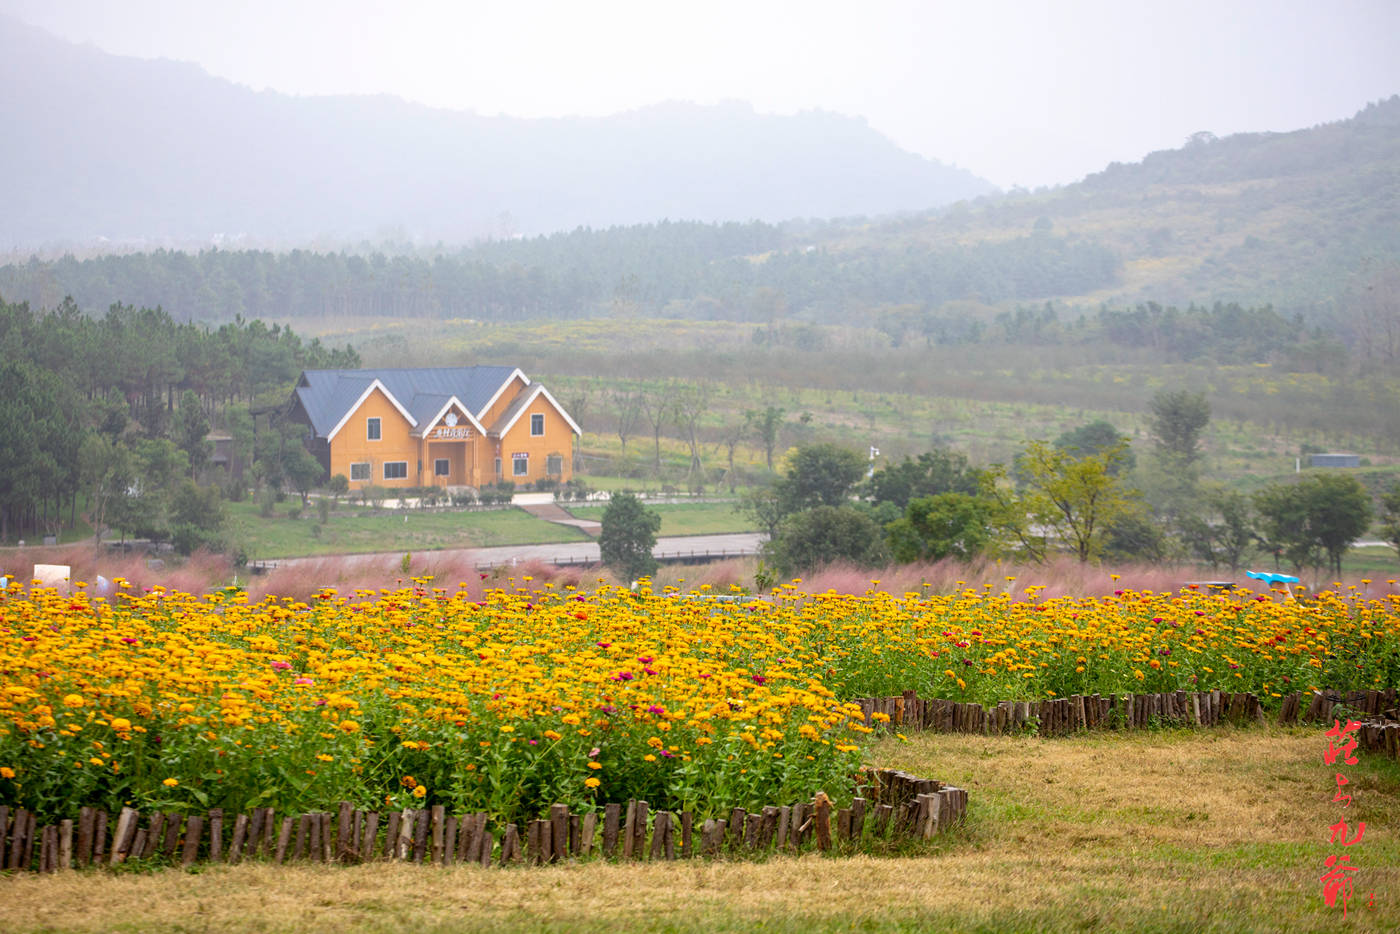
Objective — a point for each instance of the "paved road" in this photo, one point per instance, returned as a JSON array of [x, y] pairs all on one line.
[[678, 548]]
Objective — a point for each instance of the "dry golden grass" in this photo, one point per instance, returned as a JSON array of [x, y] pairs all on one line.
[[1173, 831]]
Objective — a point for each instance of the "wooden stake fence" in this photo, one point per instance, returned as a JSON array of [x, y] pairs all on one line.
[[1063, 715], [917, 808]]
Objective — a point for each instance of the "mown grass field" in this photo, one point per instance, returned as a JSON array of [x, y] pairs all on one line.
[[364, 530], [685, 518], [1224, 830]]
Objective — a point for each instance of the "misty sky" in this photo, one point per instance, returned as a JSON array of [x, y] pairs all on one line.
[[1028, 93]]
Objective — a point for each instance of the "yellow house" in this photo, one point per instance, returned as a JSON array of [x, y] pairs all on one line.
[[438, 426]]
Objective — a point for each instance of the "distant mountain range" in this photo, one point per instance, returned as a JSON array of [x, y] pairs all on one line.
[[104, 146]]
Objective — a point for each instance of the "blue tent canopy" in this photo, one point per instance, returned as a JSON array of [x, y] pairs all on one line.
[[1271, 577]]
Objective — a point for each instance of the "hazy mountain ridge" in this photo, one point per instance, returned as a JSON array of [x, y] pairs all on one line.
[[1296, 225], [132, 149]]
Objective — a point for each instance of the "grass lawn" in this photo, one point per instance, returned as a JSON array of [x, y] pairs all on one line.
[[1220, 830], [350, 531], [685, 518], [1378, 562]]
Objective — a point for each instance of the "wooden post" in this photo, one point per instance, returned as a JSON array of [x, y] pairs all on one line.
[[639, 827], [216, 834], [611, 814], [86, 817], [449, 841], [438, 815], [99, 837], [303, 836], [559, 831], [150, 842], [660, 823], [510, 846], [485, 843], [121, 838], [687, 826], [369, 837], [172, 835], [780, 839], [738, 818], [194, 829], [629, 829], [589, 832], [575, 835], [822, 817], [752, 823], [255, 829], [345, 832], [314, 843], [768, 828], [284, 838], [843, 825], [391, 835], [403, 847], [240, 831], [421, 823]]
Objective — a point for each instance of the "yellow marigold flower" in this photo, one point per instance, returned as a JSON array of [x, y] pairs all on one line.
[[171, 782], [120, 723], [421, 791], [648, 758], [595, 765], [325, 758], [550, 734], [348, 726], [96, 761], [73, 700], [591, 782], [6, 772]]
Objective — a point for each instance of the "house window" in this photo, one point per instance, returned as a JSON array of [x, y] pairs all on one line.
[[536, 426], [372, 429], [360, 471], [554, 465], [395, 470], [520, 464], [498, 468], [442, 467]]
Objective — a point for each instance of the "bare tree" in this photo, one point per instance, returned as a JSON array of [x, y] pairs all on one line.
[[690, 401], [628, 406], [577, 402], [657, 404]]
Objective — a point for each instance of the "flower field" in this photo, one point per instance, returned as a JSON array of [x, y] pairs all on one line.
[[516, 699]]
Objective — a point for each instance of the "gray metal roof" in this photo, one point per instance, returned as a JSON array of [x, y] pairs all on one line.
[[326, 395]]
